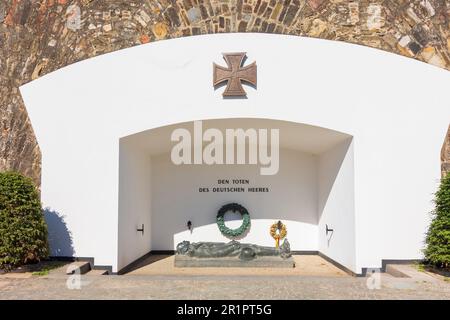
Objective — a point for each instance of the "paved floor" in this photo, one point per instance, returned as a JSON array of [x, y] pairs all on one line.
[[305, 265], [54, 286]]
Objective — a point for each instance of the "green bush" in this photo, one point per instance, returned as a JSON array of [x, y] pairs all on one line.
[[23, 231], [437, 251]]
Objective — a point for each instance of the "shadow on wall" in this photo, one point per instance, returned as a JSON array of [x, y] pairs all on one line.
[[59, 236], [332, 162]]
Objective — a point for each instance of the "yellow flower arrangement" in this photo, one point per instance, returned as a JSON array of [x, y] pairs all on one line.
[[282, 232]]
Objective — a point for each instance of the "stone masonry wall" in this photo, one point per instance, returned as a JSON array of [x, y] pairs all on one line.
[[40, 36], [445, 155]]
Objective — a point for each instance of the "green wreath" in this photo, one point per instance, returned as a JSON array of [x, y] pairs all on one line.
[[233, 233]]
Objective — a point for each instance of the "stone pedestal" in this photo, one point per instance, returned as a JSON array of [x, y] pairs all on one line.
[[183, 261]]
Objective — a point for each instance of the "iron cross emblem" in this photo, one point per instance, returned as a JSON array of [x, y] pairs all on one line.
[[234, 74]]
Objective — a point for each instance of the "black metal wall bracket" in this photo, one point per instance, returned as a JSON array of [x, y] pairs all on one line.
[[328, 229]]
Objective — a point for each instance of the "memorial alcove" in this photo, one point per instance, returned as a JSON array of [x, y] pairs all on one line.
[[313, 186]]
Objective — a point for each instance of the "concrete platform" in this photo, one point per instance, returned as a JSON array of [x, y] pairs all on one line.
[[233, 262], [411, 271], [98, 272], [78, 266], [305, 265]]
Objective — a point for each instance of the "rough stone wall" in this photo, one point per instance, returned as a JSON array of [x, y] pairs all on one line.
[[445, 155], [40, 36]]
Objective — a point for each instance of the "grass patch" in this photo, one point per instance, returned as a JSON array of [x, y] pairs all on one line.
[[47, 267], [424, 267], [43, 272], [420, 266]]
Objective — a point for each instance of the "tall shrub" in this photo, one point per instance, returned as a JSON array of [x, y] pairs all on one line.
[[437, 251], [23, 231]]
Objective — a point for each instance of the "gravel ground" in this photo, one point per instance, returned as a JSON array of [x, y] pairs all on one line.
[[220, 287], [305, 265]]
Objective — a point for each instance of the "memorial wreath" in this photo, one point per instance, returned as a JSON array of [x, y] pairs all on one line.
[[233, 233], [278, 231]]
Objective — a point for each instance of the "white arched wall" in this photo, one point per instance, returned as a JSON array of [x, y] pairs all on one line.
[[395, 108]]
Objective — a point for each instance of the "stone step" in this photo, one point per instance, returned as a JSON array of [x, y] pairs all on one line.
[[83, 266], [98, 272], [395, 271], [409, 271]]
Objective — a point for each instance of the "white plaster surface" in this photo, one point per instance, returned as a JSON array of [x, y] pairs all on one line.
[[396, 109]]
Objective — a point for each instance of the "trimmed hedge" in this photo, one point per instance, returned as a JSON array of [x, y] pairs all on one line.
[[23, 231], [437, 252]]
